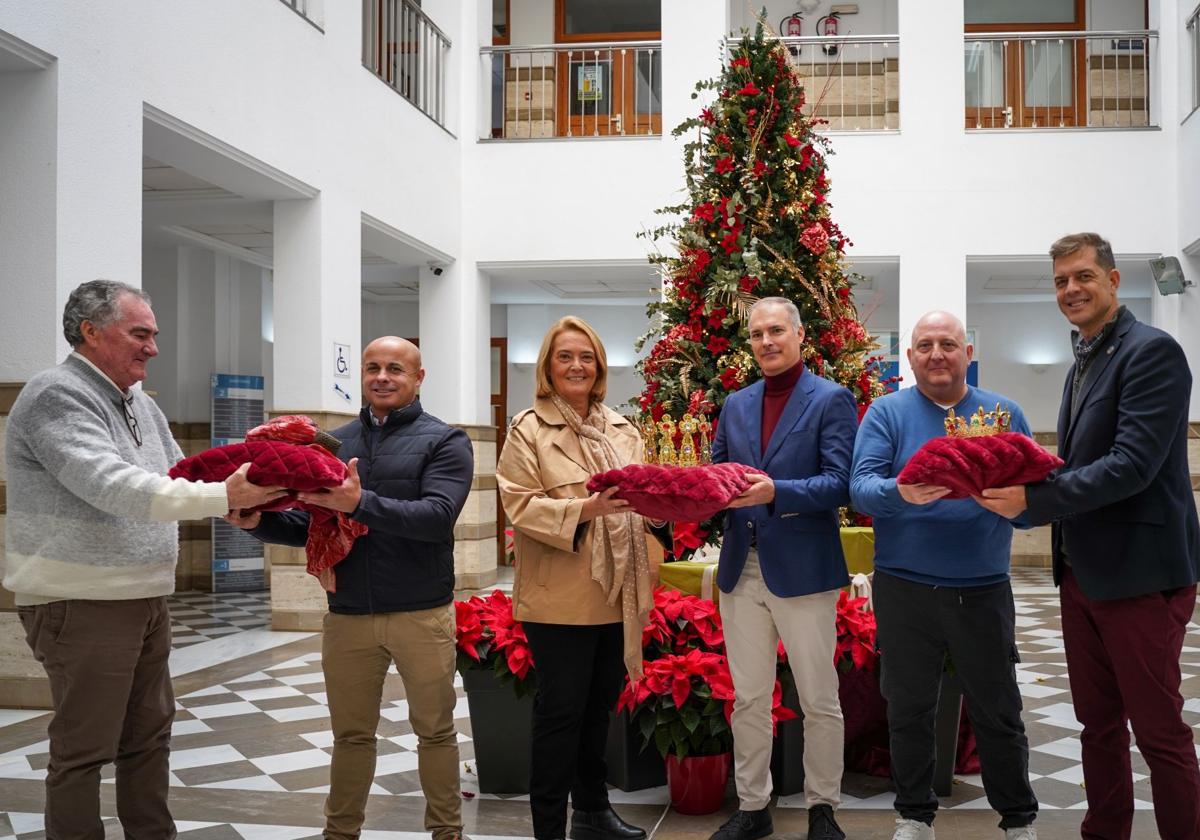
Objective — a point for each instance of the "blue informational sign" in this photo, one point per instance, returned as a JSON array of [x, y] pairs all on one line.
[[237, 407]]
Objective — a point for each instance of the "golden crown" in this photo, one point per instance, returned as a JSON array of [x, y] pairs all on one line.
[[981, 423], [682, 444]]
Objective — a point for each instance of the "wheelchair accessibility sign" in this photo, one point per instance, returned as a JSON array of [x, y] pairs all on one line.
[[341, 361]]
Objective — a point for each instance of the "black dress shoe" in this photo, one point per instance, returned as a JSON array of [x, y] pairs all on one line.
[[746, 825], [602, 825], [822, 825]]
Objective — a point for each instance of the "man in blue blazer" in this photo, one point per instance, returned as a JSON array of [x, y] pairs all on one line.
[[1126, 545], [782, 565]]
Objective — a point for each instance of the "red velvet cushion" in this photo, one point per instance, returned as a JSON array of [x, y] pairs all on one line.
[[292, 428], [970, 465], [272, 462], [680, 494]]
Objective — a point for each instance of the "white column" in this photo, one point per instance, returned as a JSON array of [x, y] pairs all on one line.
[[315, 304], [455, 330], [692, 36], [318, 267], [28, 322], [933, 269], [70, 205]]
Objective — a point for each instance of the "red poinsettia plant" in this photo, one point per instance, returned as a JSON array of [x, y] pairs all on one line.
[[683, 704], [489, 638], [855, 635], [679, 622], [684, 699]]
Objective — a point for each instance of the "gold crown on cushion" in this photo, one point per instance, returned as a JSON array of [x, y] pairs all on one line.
[[981, 423]]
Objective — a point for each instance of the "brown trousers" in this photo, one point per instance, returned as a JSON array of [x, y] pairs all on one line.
[[355, 655], [107, 664]]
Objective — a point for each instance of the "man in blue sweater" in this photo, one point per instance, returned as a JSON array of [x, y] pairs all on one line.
[[941, 586]]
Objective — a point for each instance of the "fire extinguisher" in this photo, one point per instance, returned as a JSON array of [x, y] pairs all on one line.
[[828, 25], [792, 26]]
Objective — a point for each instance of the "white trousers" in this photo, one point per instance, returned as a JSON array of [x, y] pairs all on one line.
[[754, 621]]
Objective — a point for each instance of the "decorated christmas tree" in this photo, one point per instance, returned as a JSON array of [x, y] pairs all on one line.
[[757, 224]]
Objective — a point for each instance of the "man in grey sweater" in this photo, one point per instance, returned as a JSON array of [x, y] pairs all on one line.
[[91, 544]]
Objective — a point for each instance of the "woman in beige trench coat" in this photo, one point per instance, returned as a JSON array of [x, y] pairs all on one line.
[[583, 578]]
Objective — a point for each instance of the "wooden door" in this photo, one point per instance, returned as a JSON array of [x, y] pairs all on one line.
[[612, 89], [1034, 81], [499, 407]]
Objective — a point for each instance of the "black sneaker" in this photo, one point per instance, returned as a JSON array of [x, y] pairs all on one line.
[[746, 825], [822, 825]]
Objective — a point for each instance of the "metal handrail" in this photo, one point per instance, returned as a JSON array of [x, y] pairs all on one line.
[[1085, 79], [1064, 34], [404, 48], [534, 97], [845, 99], [590, 45]]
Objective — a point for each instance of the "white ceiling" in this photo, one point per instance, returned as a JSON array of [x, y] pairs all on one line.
[[632, 282], [1029, 279]]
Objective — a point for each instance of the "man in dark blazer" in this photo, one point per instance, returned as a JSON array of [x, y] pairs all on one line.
[[1126, 544], [782, 566]]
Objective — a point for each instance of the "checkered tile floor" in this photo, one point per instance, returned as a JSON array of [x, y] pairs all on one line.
[[200, 616], [268, 731]]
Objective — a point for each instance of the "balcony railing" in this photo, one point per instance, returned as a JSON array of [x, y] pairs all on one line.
[[851, 83], [577, 90], [405, 49], [1059, 79], [310, 10]]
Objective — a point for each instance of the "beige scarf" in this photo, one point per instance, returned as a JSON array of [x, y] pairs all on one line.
[[619, 561]]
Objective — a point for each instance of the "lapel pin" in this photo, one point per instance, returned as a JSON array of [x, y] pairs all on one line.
[[1110, 350]]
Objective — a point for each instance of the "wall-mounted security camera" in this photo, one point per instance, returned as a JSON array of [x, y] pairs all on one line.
[[1168, 274], [437, 269]]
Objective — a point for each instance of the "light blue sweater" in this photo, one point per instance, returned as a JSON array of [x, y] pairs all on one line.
[[945, 543]]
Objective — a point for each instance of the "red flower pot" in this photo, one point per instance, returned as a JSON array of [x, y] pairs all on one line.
[[697, 783]]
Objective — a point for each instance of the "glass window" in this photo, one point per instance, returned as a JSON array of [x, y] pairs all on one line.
[[1194, 39], [500, 19], [985, 74], [1048, 67], [649, 81], [590, 84], [583, 16], [1020, 11]]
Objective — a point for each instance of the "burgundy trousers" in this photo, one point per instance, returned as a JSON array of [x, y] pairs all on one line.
[[1123, 664]]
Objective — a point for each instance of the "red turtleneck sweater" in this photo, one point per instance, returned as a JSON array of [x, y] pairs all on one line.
[[775, 396]]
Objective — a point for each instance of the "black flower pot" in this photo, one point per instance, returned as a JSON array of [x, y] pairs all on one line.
[[629, 766], [787, 758], [787, 748], [501, 726]]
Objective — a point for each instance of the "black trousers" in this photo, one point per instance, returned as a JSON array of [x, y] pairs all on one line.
[[580, 671], [918, 624]]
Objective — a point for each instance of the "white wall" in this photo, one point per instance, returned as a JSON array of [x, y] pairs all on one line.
[[875, 17], [209, 310], [1187, 305], [252, 74], [28, 185], [618, 327], [1011, 336]]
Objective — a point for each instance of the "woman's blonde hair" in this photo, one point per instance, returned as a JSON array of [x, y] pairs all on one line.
[[544, 386]]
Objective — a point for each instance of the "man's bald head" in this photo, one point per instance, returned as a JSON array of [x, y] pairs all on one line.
[[391, 374], [942, 320], [939, 357]]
